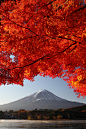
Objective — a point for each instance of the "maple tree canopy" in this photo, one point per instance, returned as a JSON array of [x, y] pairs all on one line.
[[46, 38]]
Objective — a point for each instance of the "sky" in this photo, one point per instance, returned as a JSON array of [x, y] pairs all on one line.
[[10, 93]]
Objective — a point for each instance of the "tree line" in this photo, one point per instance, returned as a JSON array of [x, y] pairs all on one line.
[[71, 113]]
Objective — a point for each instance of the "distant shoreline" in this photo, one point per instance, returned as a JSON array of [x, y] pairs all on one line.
[[46, 120]]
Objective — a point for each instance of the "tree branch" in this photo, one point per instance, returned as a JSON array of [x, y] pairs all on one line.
[[73, 49], [82, 8], [44, 57], [63, 38], [60, 7], [20, 25]]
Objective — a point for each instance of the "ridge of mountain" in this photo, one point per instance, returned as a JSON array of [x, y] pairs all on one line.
[[42, 99], [43, 94]]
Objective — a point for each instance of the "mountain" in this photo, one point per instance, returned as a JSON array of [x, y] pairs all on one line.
[[43, 99]]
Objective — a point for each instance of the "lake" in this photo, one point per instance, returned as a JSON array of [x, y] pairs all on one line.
[[42, 124]]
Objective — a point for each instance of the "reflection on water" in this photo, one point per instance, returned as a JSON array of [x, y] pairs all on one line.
[[42, 124]]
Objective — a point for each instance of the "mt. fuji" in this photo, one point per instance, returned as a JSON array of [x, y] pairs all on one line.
[[43, 99], [43, 95]]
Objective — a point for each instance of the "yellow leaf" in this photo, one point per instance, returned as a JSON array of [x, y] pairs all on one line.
[[79, 77]]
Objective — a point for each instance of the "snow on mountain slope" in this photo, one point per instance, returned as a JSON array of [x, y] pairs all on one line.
[[42, 95]]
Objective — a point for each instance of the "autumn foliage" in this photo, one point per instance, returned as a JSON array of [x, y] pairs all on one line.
[[45, 37]]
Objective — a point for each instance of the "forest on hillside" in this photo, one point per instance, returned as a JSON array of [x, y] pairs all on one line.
[[70, 113]]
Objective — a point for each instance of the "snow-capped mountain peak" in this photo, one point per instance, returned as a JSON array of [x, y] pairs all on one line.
[[43, 95], [42, 99]]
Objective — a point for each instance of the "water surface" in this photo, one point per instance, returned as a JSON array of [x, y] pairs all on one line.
[[42, 124]]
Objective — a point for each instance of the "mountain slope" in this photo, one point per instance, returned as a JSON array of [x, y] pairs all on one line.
[[42, 99]]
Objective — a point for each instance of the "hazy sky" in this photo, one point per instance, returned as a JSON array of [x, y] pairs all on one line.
[[9, 93]]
